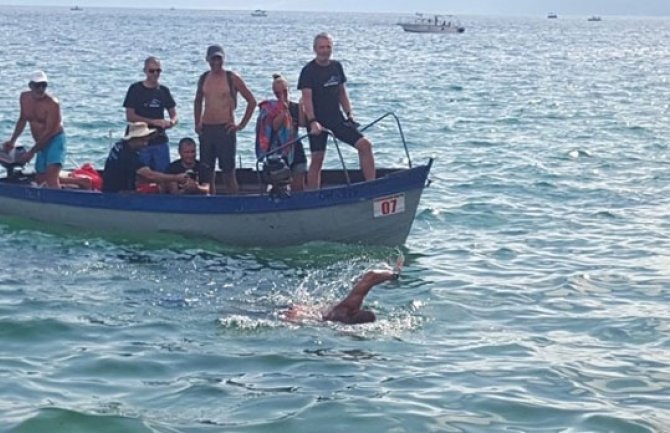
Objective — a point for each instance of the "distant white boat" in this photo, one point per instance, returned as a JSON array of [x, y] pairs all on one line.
[[259, 13], [595, 18], [552, 15], [434, 24], [76, 8]]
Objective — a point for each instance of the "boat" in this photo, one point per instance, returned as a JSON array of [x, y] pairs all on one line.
[[434, 24], [346, 209], [76, 8], [259, 13], [594, 18], [552, 15]]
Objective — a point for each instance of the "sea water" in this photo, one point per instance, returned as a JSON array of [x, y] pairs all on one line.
[[535, 292]]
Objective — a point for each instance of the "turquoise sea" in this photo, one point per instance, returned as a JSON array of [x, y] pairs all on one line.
[[536, 293]]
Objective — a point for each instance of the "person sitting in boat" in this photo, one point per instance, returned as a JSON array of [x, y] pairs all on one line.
[[199, 174], [41, 111], [349, 310], [277, 125], [124, 165]]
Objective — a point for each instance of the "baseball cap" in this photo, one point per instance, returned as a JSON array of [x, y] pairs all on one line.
[[214, 51]]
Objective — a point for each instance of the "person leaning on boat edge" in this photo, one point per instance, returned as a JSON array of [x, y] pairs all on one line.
[[199, 174], [215, 123], [322, 82], [42, 111], [124, 164], [146, 101]]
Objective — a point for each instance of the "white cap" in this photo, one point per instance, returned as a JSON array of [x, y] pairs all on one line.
[[38, 77]]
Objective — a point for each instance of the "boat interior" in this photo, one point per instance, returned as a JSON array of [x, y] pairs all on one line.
[[250, 181]]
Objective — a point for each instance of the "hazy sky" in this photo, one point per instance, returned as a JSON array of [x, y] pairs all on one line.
[[497, 7]]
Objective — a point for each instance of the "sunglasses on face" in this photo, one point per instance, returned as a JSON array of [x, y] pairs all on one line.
[[155, 71], [38, 85]]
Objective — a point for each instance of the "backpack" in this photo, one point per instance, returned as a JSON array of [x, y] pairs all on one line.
[[231, 85], [266, 138]]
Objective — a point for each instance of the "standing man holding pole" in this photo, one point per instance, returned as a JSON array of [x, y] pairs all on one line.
[[322, 82]]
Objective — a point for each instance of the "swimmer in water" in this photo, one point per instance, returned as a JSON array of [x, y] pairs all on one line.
[[349, 310]]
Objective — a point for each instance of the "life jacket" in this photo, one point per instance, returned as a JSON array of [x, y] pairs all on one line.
[[267, 139]]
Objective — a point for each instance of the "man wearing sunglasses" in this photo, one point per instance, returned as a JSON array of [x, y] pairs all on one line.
[[42, 111], [147, 101]]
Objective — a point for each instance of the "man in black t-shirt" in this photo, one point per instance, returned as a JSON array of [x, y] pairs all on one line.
[[124, 164], [199, 174], [147, 101], [322, 82]]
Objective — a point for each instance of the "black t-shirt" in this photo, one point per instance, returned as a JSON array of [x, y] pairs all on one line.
[[121, 168], [203, 174], [325, 83], [150, 103]]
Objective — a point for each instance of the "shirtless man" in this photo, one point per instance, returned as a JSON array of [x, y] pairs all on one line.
[[349, 310], [42, 111], [215, 125]]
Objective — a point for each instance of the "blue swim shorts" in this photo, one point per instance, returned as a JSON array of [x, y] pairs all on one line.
[[53, 153]]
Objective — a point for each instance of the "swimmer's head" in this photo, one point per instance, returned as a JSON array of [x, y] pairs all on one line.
[[363, 316]]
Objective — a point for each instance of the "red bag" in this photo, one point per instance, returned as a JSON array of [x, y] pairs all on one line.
[[88, 171]]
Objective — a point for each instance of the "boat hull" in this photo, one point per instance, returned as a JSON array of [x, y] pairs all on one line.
[[427, 28], [380, 212]]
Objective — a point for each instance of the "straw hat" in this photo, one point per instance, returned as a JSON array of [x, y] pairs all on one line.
[[138, 130]]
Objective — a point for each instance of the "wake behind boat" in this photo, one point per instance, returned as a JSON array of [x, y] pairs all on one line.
[[346, 209], [434, 24]]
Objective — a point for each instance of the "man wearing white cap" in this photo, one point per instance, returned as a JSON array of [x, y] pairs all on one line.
[[42, 111], [124, 164]]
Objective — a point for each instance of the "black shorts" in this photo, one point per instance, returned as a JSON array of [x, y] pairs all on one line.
[[299, 164], [342, 131], [217, 143]]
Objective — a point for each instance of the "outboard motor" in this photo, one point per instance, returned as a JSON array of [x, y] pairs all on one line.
[[277, 174], [9, 161]]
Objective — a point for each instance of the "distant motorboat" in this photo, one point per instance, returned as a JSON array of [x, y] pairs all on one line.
[[434, 24], [552, 15], [595, 18], [76, 8], [259, 13]]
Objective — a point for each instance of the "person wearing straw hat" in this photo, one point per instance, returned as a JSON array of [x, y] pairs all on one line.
[[124, 164], [41, 111]]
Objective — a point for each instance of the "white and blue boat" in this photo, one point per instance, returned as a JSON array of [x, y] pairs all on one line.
[[346, 209]]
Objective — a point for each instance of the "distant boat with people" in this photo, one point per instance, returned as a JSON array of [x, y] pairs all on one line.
[[433, 24], [595, 18], [76, 8], [552, 15], [259, 13]]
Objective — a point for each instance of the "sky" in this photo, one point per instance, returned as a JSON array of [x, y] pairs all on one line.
[[469, 7]]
